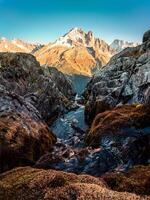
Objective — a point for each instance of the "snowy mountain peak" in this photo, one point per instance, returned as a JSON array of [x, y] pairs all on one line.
[[4, 39], [77, 37], [119, 45], [15, 45], [76, 52], [75, 30]]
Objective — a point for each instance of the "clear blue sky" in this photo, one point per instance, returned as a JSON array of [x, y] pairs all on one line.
[[45, 20]]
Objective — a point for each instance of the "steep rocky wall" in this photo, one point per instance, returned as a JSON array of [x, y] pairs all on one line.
[[47, 89], [124, 80]]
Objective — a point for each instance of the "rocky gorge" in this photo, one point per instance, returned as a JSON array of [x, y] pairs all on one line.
[[58, 145]]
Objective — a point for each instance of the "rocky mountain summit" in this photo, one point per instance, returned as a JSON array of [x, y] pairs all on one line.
[[119, 45], [76, 52]]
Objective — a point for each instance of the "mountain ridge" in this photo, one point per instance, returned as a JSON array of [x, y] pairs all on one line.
[[16, 45], [75, 53]]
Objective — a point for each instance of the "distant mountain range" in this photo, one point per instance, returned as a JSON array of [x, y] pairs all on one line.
[[15, 45], [119, 45], [77, 52]]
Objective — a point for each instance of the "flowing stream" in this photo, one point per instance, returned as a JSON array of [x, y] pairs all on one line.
[[70, 152], [67, 125]]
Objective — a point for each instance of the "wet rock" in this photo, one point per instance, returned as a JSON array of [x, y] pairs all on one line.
[[136, 180], [78, 160], [69, 124], [24, 137], [29, 183]]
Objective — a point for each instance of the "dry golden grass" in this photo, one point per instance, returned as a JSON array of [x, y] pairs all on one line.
[[32, 184]]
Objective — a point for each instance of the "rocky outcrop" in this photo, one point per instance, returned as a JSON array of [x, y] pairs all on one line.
[[124, 80], [146, 36], [29, 183], [63, 83], [24, 137], [19, 72], [135, 180], [47, 89]]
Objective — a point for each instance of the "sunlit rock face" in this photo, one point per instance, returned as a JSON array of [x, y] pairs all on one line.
[[24, 137], [124, 80], [76, 53], [46, 88], [29, 183]]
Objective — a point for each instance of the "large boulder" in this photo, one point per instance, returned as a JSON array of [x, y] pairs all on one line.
[[29, 183], [146, 36], [24, 137], [18, 72], [46, 88], [124, 80]]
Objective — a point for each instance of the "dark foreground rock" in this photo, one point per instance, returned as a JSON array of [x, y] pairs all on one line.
[[24, 137], [146, 36], [46, 88], [136, 180], [29, 183]]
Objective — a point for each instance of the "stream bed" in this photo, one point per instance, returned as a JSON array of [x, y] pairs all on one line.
[[70, 153]]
